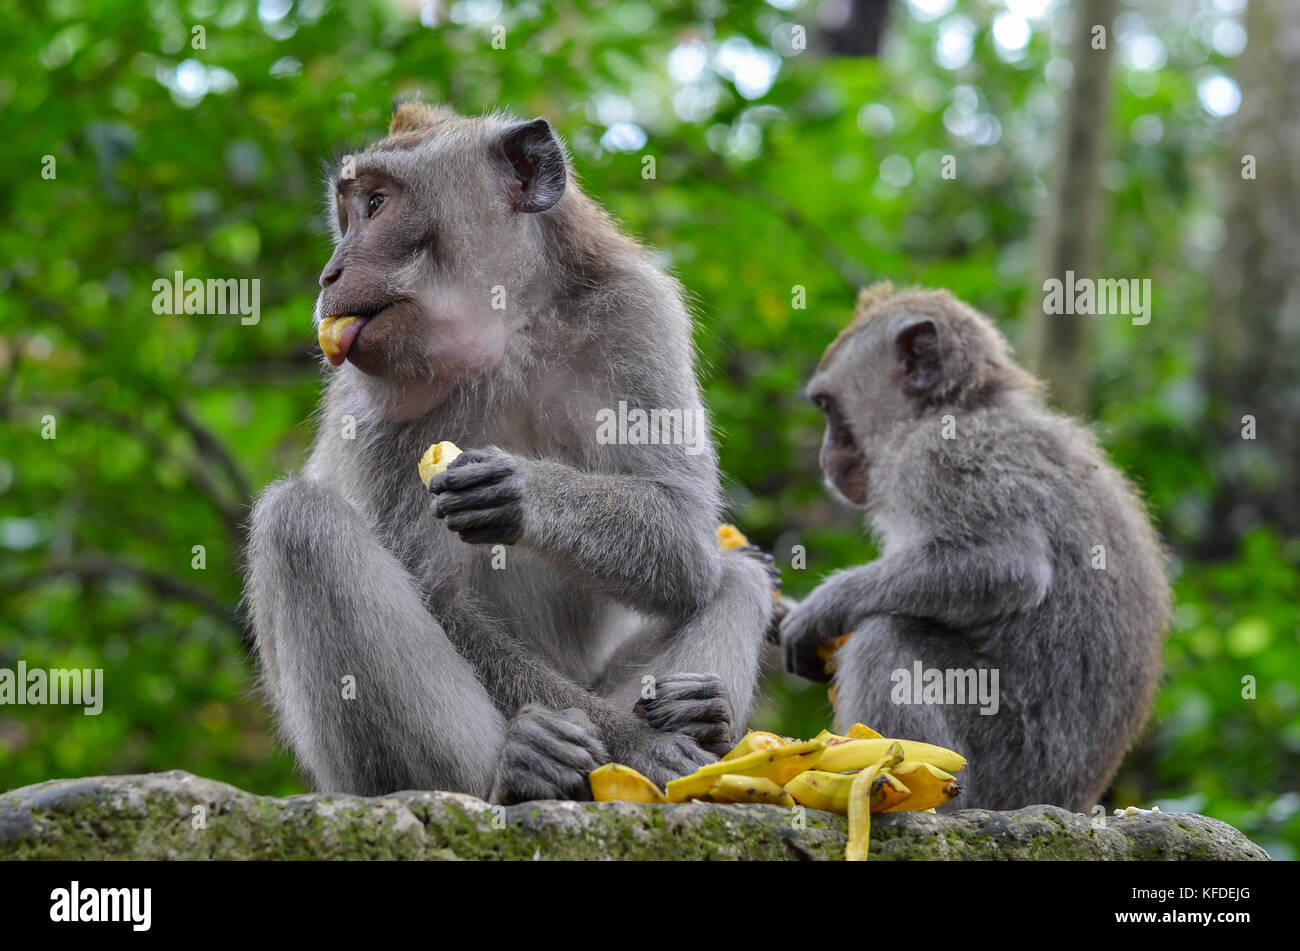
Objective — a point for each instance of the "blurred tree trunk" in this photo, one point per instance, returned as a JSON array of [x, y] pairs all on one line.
[[1067, 231], [859, 31], [1252, 357]]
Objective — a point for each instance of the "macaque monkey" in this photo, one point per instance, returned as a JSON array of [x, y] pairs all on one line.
[[557, 599], [1009, 544]]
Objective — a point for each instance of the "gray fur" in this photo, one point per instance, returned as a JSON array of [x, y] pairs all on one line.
[[986, 559], [612, 568]]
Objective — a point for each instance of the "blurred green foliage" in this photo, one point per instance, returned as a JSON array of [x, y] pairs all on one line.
[[775, 169]]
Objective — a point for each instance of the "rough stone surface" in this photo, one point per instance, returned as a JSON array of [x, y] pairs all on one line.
[[177, 815]]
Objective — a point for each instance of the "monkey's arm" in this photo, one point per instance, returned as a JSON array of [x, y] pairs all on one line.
[[640, 539], [957, 586]]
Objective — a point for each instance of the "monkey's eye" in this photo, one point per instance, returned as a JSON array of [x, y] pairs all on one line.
[[376, 200]]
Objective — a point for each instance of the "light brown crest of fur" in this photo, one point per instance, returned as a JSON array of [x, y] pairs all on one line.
[[413, 122]]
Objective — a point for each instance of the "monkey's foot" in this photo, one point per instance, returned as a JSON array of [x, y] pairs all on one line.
[[695, 704], [547, 755]]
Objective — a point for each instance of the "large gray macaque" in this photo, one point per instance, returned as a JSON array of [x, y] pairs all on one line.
[[558, 599], [1009, 547]]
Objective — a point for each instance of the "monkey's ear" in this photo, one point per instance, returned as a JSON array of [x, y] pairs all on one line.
[[537, 161], [919, 355]]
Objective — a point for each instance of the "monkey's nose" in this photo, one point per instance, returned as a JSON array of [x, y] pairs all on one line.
[[331, 274]]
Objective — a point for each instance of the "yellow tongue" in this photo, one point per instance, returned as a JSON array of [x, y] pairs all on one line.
[[436, 460], [331, 332]]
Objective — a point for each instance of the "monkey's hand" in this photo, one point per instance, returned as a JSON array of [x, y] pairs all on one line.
[[695, 704], [814, 622], [547, 755], [481, 497], [662, 757]]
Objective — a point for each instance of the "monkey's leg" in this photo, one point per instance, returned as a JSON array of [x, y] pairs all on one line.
[[370, 693], [706, 671], [865, 692]]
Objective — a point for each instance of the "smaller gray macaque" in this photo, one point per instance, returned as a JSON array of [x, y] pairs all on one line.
[[1019, 604]]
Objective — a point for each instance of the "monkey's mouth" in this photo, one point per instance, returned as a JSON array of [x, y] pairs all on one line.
[[338, 332]]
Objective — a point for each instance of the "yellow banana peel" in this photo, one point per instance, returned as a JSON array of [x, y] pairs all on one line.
[[617, 783], [860, 804], [930, 786], [859, 754], [754, 741], [732, 788], [779, 765], [829, 792], [860, 731], [855, 775]]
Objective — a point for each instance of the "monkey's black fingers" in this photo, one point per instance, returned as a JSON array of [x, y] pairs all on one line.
[[475, 467], [708, 722], [695, 704], [799, 645], [674, 715], [567, 744], [479, 497], [766, 560], [499, 526], [687, 686], [548, 755]]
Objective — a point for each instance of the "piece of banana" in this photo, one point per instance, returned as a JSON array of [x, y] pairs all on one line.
[[859, 754], [754, 741], [826, 652], [733, 788], [330, 332], [729, 537], [779, 765], [930, 786], [614, 782], [436, 459]]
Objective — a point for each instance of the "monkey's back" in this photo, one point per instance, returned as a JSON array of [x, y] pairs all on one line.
[[1078, 668]]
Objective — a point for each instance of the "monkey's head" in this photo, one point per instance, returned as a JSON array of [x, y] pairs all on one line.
[[904, 356], [437, 244]]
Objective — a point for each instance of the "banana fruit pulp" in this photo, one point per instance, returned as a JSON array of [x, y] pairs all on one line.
[[330, 333], [854, 775], [729, 537], [436, 459]]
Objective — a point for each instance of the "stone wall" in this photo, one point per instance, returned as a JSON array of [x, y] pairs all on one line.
[[176, 815]]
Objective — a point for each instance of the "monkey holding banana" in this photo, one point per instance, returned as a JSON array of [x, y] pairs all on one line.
[[1009, 543], [559, 601]]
